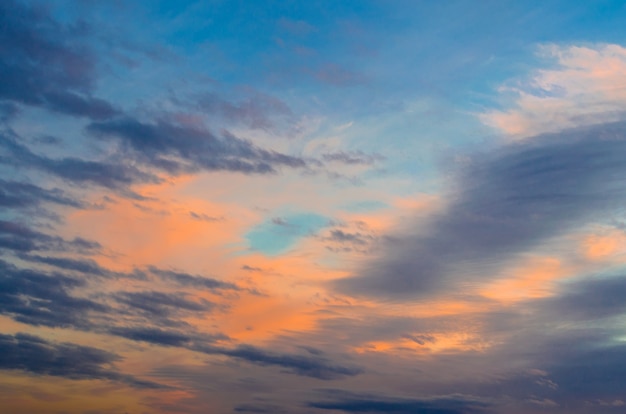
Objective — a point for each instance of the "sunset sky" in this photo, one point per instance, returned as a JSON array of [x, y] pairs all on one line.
[[310, 207]]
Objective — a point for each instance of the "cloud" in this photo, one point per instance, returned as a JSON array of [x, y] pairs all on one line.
[[38, 356], [352, 157], [258, 111], [116, 176], [310, 365], [590, 299], [21, 195], [370, 403], [186, 279], [204, 217], [86, 266], [21, 238], [37, 298], [259, 408], [506, 203], [43, 63], [356, 238], [154, 336], [160, 304], [180, 148], [585, 86]]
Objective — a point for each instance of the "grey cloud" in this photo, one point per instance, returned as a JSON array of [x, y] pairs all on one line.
[[160, 304], [152, 335], [506, 202], [356, 238], [176, 149], [21, 238], [588, 299], [186, 279], [349, 402], [310, 365], [37, 356], [74, 170], [259, 408], [352, 157], [279, 221], [86, 266], [251, 268], [20, 195], [38, 298], [43, 63], [205, 217], [420, 339]]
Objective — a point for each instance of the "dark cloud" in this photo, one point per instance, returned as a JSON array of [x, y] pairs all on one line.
[[177, 148], [369, 403], [312, 364], [115, 176], [259, 408], [309, 365], [185, 279], [279, 221], [204, 217], [43, 63], [420, 339], [38, 298], [577, 338], [37, 356], [589, 299], [154, 336], [352, 157], [162, 305], [21, 238], [356, 238], [86, 266], [21, 195], [251, 268], [506, 202], [587, 371]]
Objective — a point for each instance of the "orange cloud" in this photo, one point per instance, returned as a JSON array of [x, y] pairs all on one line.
[[587, 86], [530, 279], [604, 246]]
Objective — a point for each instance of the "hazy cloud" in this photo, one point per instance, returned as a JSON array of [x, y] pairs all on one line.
[[506, 202]]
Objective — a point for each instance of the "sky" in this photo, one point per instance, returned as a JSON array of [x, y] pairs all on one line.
[[313, 207]]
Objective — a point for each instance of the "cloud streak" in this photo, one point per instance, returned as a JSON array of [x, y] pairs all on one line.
[[37, 356], [505, 203]]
